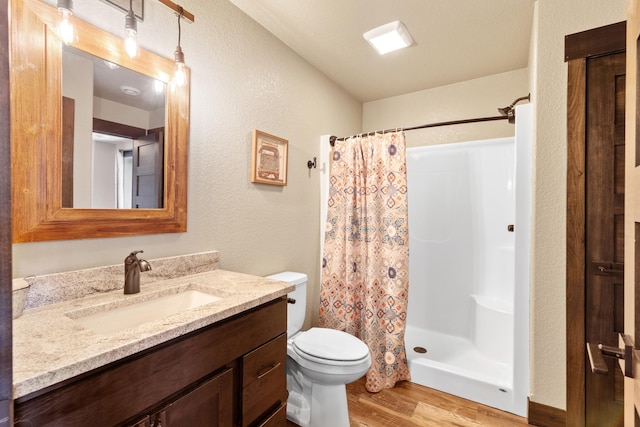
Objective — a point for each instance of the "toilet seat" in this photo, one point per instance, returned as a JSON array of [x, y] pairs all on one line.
[[330, 347]]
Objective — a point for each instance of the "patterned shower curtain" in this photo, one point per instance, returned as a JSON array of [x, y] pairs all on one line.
[[365, 267]]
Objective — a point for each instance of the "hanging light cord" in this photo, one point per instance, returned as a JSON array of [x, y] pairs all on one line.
[[131, 16], [178, 55], [179, 18]]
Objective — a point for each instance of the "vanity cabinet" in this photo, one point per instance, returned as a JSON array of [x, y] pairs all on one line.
[[230, 373]]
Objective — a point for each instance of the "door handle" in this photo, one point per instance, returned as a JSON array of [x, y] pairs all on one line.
[[597, 352]]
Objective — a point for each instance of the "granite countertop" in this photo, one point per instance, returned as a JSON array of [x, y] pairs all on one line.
[[49, 346]]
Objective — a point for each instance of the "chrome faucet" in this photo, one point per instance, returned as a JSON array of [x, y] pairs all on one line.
[[132, 268]]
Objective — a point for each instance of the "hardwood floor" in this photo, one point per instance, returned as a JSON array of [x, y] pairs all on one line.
[[412, 405]]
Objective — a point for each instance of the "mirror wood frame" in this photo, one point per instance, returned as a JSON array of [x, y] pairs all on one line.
[[36, 134]]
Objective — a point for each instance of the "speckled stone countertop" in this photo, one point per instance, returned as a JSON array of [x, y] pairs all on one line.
[[49, 346]]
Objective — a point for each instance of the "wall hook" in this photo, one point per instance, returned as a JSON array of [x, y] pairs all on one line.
[[311, 164]]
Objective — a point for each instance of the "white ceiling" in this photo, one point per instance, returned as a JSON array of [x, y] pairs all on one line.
[[455, 40], [108, 82]]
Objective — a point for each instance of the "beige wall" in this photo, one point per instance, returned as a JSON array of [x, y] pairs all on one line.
[[470, 99], [242, 78], [555, 19]]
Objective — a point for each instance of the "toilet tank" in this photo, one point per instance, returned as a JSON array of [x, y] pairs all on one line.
[[295, 312]]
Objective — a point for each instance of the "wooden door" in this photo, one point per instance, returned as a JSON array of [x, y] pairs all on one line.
[[604, 245], [148, 171], [632, 217], [594, 222], [68, 134]]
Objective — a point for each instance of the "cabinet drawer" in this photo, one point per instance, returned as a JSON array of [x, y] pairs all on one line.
[[263, 378], [278, 418]]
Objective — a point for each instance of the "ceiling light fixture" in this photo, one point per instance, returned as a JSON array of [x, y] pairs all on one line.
[[180, 76], [66, 30], [131, 30], [389, 37], [130, 90]]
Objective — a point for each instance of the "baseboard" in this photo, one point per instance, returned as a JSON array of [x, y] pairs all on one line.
[[546, 416]]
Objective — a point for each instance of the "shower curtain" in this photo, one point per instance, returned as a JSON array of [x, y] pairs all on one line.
[[365, 267]]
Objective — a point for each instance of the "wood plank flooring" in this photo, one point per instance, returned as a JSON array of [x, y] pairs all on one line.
[[412, 405]]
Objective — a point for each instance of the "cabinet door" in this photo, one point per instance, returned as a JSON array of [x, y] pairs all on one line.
[[208, 405]]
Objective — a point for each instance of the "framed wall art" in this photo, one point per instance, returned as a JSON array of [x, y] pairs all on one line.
[[269, 158]]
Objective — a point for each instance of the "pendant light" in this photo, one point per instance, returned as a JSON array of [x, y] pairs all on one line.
[[179, 76], [131, 30], [66, 30]]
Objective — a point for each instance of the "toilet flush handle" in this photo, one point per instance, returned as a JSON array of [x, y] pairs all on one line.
[[291, 300]]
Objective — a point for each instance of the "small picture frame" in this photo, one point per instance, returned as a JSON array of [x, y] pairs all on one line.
[[269, 158]]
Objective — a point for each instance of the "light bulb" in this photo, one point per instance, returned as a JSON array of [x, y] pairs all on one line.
[[180, 75], [66, 31], [131, 44], [131, 29]]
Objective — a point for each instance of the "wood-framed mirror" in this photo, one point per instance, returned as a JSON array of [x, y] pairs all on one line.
[[39, 213]]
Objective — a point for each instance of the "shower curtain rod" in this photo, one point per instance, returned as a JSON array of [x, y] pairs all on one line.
[[333, 139], [508, 113]]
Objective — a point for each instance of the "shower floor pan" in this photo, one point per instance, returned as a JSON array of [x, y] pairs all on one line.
[[453, 365]]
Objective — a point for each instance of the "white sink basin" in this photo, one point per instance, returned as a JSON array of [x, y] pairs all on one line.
[[130, 313]]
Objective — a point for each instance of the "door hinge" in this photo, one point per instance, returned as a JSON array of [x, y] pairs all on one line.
[[607, 269]]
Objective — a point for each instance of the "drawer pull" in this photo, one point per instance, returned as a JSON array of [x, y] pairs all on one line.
[[268, 370]]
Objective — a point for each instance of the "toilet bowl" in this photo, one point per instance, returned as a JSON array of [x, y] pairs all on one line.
[[320, 362]]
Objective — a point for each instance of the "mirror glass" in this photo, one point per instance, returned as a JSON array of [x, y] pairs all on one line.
[[110, 112]]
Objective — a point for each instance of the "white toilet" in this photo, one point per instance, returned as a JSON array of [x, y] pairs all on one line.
[[320, 362]]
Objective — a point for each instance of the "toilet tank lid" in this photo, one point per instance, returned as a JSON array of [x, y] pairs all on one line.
[[289, 277]]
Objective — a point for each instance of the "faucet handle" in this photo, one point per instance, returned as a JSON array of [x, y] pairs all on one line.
[[144, 265]]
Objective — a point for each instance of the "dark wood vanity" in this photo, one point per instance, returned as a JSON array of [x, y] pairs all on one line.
[[231, 373]]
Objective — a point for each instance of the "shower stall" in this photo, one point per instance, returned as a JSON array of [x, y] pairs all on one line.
[[467, 328]]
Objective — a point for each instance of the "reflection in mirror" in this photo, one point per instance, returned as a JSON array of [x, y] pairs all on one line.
[[109, 113], [112, 181]]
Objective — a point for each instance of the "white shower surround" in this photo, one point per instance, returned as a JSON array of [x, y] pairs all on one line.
[[469, 276]]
